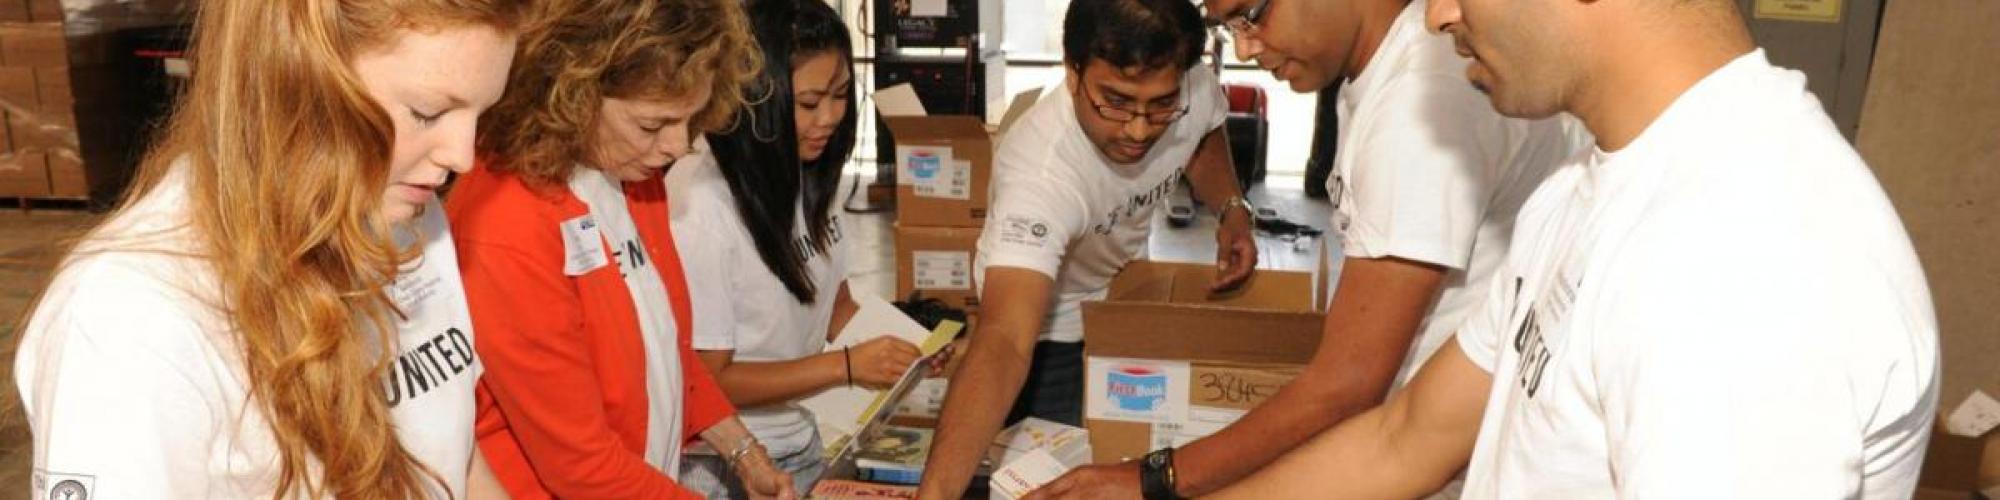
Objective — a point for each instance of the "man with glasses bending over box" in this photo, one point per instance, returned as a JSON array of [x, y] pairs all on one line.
[[1076, 184]]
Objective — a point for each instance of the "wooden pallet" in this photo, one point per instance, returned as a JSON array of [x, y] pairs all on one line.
[[28, 204]]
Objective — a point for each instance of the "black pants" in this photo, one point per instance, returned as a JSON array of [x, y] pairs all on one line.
[[1054, 388]]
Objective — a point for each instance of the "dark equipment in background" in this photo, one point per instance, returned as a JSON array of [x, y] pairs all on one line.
[[1249, 128], [1326, 139], [966, 23], [954, 62]]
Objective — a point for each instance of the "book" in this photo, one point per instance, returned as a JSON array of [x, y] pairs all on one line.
[[841, 489], [1031, 470], [1069, 445], [843, 412], [897, 455]]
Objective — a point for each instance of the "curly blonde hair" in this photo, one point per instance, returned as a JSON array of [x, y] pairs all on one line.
[[588, 50]]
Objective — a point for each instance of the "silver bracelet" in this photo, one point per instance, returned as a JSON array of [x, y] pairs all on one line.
[[1237, 201], [743, 448]]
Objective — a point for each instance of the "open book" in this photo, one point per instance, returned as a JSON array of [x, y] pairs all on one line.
[[845, 412]]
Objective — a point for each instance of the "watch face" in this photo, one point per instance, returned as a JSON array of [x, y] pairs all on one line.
[[1156, 459]]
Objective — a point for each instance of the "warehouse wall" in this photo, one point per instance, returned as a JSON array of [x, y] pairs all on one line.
[[1931, 129]]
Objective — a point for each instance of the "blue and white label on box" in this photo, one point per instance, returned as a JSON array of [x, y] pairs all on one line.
[[1135, 390], [932, 172]]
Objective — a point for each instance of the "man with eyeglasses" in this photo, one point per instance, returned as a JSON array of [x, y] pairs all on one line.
[[1076, 184], [1426, 182]]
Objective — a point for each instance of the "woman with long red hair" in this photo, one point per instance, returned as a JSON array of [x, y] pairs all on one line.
[[274, 311]]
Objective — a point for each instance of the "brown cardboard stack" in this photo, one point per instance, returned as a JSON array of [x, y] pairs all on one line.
[[944, 165], [1166, 362], [38, 155]]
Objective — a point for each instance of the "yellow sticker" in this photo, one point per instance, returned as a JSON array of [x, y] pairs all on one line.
[[1816, 11]]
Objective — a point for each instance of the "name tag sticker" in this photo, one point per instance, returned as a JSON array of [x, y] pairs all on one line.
[[583, 248]]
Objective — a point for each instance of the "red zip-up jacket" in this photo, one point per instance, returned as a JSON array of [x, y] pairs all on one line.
[[563, 403]]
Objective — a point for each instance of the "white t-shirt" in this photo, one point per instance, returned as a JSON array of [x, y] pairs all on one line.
[[135, 388], [1726, 308], [739, 304], [1061, 208], [1427, 171]]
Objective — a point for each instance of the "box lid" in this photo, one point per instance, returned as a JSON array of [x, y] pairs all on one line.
[[1157, 310], [904, 113]]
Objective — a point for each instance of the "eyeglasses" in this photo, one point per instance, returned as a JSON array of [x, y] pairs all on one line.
[[1121, 115], [1245, 23]]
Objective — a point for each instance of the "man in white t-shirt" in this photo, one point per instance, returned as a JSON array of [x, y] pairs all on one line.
[[1426, 181], [1076, 185], [1717, 302]]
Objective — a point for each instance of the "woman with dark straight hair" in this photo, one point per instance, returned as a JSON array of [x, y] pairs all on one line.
[[768, 276]]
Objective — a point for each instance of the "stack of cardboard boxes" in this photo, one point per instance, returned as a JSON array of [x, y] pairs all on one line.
[[38, 149], [944, 166]]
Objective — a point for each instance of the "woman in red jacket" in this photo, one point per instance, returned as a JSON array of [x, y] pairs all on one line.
[[591, 388]]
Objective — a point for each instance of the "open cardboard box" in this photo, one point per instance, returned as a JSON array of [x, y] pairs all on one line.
[[1957, 466], [944, 163], [1167, 362]]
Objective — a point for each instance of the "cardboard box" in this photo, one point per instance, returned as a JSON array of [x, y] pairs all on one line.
[[33, 45], [17, 89], [42, 129], [1959, 466], [52, 88], [944, 164], [938, 262], [24, 175], [1167, 363], [67, 178], [14, 10], [44, 10]]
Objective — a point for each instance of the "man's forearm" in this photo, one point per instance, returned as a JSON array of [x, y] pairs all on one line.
[[1404, 448], [1365, 338], [977, 402], [1211, 172]]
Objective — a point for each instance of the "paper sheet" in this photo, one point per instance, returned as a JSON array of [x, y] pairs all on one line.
[[843, 411], [1069, 445], [927, 8], [898, 100], [1978, 414], [1024, 474]]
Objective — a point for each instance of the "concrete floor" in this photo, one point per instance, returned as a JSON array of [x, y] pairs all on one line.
[[27, 241]]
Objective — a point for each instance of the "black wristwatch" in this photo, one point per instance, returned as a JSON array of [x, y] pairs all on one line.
[[1156, 475]]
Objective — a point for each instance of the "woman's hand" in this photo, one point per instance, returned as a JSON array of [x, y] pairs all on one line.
[[761, 478], [880, 362]]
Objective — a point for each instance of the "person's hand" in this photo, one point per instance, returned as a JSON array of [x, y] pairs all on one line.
[[880, 362], [942, 359], [1115, 481], [762, 479], [1235, 250]]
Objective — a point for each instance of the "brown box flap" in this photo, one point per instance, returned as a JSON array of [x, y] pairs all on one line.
[[937, 129], [1113, 441], [1157, 310]]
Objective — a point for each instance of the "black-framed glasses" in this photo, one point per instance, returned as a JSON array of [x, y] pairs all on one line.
[[1121, 115], [1245, 23]]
